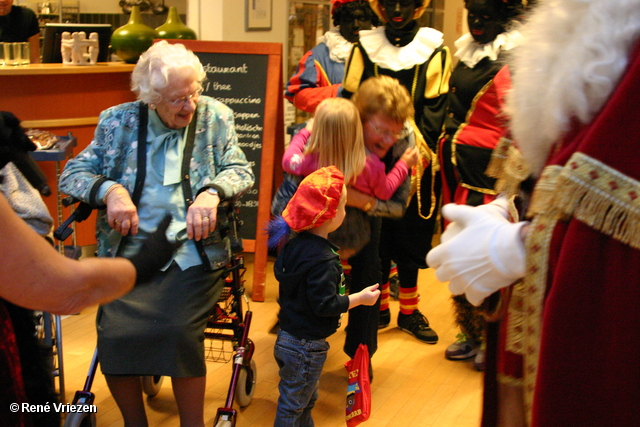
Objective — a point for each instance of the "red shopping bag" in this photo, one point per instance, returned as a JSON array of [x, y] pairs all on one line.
[[358, 387]]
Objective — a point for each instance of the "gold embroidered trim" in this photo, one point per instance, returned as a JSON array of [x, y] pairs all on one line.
[[479, 189], [544, 192], [474, 102], [508, 167], [416, 177], [498, 158], [600, 197], [591, 192], [514, 342], [509, 380], [414, 84], [454, 149], [534, 286]]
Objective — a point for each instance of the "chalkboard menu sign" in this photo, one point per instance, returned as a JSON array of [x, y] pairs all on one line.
[[240, 81], [247, 77]]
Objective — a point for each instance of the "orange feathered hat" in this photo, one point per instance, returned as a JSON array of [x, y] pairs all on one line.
[[379, 10], [316, 199]]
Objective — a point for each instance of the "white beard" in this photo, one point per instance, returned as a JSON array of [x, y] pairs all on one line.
[[572, 56]]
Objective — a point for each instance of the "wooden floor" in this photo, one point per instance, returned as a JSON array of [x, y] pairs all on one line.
[[414, 384]]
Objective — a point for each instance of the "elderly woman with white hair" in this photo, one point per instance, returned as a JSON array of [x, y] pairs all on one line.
[[175, 151]]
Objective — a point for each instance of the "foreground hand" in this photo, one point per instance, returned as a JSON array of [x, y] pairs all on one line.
[[410, 157], [481, 251], [202, 216], [367, 296], [122, 214], [309, 125], [155, 252]]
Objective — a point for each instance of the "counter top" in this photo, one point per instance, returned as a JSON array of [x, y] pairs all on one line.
[[42, 69]]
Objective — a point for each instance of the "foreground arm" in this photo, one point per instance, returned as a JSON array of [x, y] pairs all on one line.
[[294, 161], [36, 276]]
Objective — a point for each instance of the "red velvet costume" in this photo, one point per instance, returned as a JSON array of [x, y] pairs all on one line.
[[573, 317], [11, 383], [594, 271]]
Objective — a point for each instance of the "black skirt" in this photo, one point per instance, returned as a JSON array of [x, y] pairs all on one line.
[[158, 328]]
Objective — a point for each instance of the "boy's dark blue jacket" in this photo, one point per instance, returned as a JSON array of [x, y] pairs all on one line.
[[309, 271]]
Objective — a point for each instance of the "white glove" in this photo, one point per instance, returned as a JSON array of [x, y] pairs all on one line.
[[480, 251]]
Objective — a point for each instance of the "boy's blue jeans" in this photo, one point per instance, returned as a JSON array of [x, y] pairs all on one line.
[[300, 363]]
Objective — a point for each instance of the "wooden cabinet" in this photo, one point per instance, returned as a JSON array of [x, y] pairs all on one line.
[[64, 99]]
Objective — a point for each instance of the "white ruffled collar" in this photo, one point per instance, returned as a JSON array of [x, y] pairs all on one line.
[[471, 52], [339, 47], [386, 55]]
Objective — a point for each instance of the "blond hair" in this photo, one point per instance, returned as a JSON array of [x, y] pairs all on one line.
[[383, 95], [337, 138]]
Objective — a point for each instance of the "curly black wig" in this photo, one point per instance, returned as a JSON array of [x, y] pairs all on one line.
[[348, 9]]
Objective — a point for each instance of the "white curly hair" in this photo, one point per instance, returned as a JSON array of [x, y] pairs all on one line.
[[155, 67], [573, 54]]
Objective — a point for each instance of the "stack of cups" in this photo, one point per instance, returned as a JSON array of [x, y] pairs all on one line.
[[15, 54]]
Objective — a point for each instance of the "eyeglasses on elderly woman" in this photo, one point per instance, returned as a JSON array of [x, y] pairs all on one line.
[[180, 102], [384, 133]]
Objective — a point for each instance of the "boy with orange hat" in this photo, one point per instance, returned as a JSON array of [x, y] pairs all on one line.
[[311, 302]]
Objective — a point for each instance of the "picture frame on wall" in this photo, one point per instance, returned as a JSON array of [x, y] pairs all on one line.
[[258, 15]]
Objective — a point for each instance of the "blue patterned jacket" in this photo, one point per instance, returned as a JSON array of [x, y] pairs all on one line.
[[216, 161]]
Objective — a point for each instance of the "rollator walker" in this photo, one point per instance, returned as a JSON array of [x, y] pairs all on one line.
[[226, 323]]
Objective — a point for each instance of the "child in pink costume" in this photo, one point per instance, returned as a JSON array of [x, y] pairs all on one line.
[[302, 160]]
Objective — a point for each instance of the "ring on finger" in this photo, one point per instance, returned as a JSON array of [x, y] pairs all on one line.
[[205, 218]]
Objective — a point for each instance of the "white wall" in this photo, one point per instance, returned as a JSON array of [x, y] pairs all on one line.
[[206, 18], [111, 6], [455, 23]]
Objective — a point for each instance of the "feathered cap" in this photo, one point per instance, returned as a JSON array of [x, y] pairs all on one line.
[[316, 199], [335, 4], [379, 9]]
